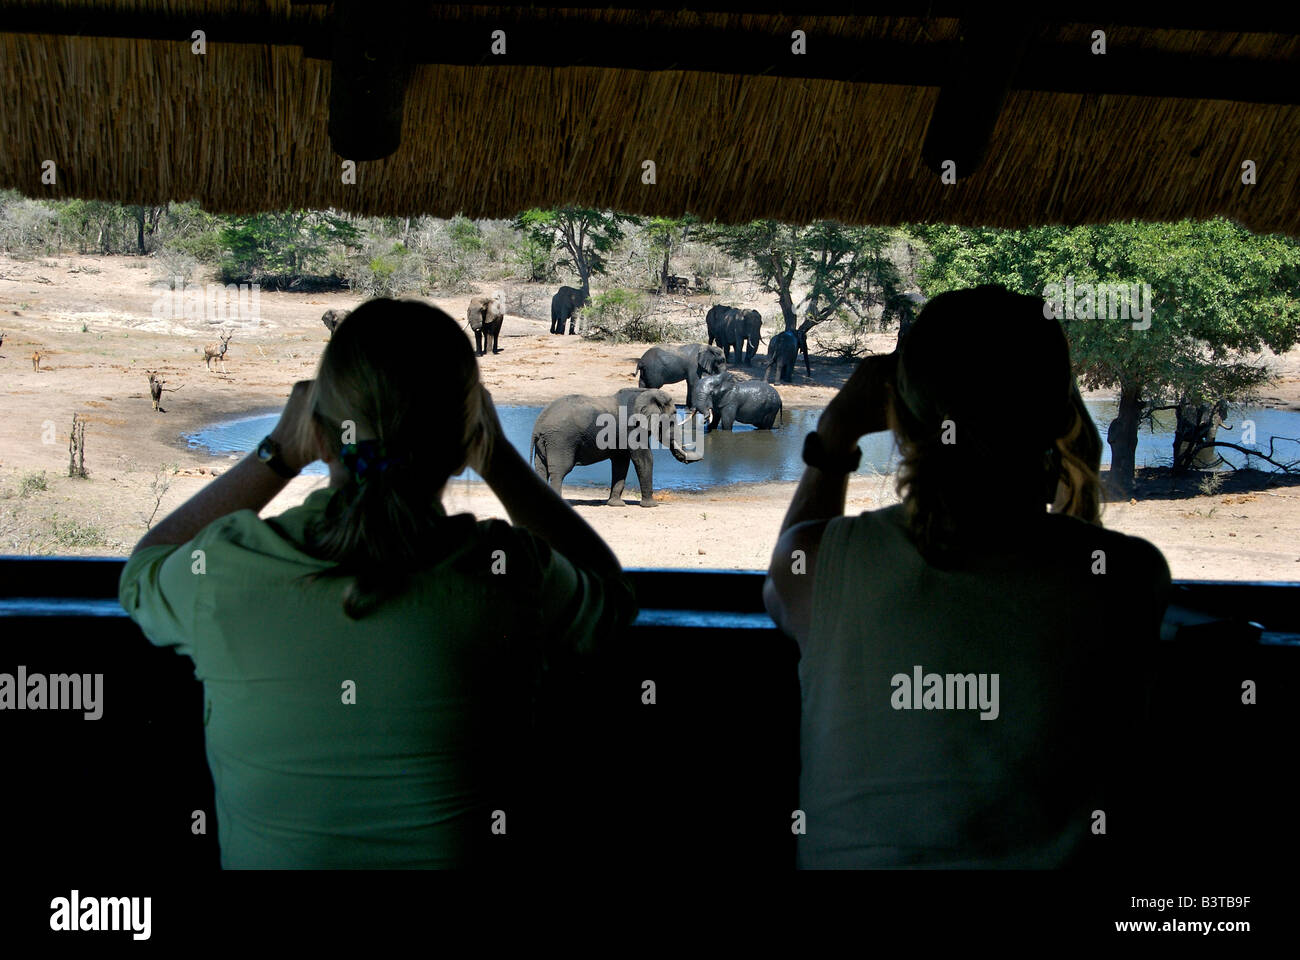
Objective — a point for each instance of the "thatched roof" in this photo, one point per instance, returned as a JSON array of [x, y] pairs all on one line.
[[737, 126]]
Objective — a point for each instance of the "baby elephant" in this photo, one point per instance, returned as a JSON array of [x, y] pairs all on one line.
[[332, 319], [730, 401], [622, 429], [783, 351], [485, 316], [689, 362]]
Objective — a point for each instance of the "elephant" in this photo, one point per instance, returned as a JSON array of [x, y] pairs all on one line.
[[622, 429], [485, 317], [782, 352], [332, 319], [731, 327], [689, 362], [566, 301], [730, 401]]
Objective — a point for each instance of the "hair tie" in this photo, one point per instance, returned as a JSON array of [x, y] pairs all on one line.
[[368, 458]]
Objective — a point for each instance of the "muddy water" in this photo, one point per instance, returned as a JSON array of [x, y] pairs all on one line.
[[747, 455]]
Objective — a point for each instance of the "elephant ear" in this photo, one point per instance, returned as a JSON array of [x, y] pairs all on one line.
[[655, 401]]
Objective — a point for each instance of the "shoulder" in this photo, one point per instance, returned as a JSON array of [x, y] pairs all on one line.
[[1133, 559]]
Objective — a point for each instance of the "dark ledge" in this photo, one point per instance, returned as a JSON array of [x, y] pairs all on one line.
[[1259, 612]]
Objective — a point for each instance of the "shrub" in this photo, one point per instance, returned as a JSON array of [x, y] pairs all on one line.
[[622, 316], [386, 270], [171, 263], [31, 482]]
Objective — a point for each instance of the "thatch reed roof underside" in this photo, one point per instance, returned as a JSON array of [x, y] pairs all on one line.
[[245, 128]]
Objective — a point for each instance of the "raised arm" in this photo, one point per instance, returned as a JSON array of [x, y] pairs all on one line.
[[533, 505], [249, 485], [858, 409]]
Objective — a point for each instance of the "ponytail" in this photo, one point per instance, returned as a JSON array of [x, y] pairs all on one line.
[[416, 429]]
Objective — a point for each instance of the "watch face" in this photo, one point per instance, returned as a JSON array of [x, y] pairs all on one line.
[[266, 450]]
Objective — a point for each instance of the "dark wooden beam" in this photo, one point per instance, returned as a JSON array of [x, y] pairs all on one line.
[[988, 55], [1242, 18], [371, 69], [536, 41]]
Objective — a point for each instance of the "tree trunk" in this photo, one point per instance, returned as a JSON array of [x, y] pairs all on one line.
[[1122, 435], [1197, 423], [787, 310]]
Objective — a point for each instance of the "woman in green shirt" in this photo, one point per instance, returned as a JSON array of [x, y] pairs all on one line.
[[368, 661]]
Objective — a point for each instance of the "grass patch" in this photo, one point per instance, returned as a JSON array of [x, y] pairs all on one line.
[[33, 481]]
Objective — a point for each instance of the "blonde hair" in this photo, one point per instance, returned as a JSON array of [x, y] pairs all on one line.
[[951, 490], [401, 374]]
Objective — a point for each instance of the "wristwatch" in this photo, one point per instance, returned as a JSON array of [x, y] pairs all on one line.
[[816, 455], [268, 451]]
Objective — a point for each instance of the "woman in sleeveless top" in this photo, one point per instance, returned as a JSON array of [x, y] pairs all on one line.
[[972, 659]]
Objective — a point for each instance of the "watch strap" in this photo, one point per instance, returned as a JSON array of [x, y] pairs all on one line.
[[275, 461], [816, 455]]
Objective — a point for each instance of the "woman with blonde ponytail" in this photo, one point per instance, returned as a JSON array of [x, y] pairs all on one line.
[[368, 660], [960, 651]]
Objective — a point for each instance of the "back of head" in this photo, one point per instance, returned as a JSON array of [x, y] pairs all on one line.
[[988, 418], [396, 399]]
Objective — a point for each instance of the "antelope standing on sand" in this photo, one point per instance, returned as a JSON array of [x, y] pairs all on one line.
[[156, 383], [214, 352], [36, 361]]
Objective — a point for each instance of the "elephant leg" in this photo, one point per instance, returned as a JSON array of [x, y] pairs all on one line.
[[691, 379], [645, 463], [806, 365], [478, 342], [618, 464], [557, 468]]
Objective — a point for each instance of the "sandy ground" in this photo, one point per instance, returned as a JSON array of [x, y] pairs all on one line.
[[92, 320]]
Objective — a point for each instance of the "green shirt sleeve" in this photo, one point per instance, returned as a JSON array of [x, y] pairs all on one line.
[[159, 591]]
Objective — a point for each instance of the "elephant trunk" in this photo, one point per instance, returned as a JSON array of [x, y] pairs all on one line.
[[675, 445]]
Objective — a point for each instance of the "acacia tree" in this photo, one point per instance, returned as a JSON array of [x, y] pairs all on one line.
[[847, 270], [583, 236], [1219, 295]]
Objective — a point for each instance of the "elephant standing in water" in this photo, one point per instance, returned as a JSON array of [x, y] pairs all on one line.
[[566, 302], [782, 352], [689, 362], [622, 429], [730, 327], [730, 401], [485, 316]]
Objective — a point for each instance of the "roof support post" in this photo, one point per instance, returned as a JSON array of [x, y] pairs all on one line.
[[369, 78], [971, 99]]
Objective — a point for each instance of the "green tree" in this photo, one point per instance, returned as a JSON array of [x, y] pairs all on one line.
[[1218, 295], [584, 237], [847, 270], [278, 248]]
